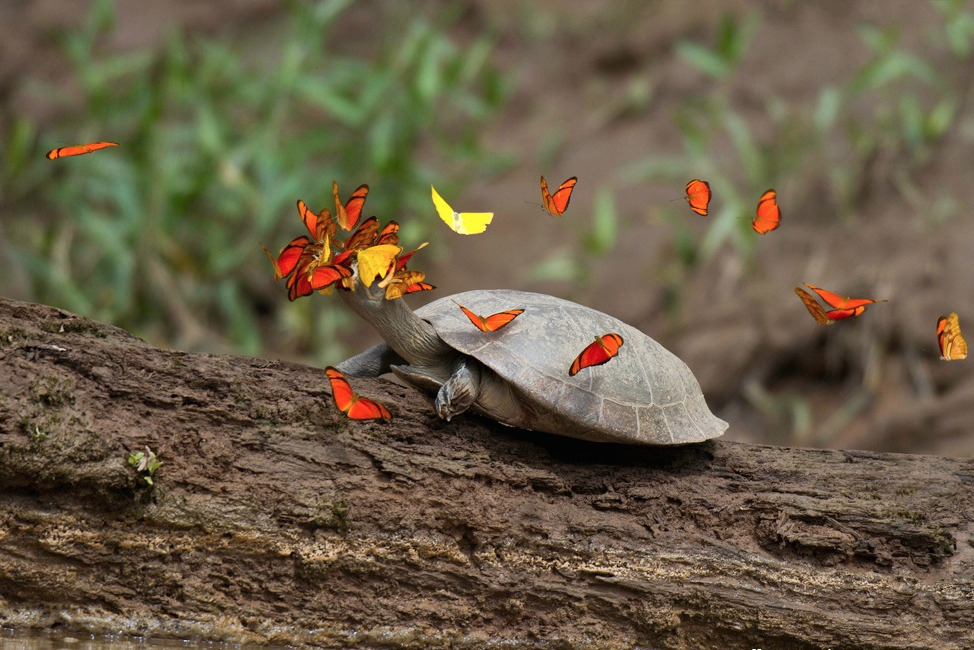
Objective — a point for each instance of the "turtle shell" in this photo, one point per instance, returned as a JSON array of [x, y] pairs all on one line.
[[644, 395]]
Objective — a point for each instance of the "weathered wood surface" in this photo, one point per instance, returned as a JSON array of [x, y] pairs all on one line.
[[276, 520]]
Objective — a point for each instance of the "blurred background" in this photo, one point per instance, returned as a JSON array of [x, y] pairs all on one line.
[[857, 112]]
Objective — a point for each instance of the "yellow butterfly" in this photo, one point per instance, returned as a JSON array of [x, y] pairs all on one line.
[[376, 261], [464, 223]]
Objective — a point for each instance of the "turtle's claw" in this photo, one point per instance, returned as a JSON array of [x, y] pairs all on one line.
[[458, 392]]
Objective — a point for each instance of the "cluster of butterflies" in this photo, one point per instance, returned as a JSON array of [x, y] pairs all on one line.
[[322, 260]]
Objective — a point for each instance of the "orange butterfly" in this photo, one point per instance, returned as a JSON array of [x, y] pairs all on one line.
[[321, 226], [952, 343], [600, 351], [397, 285], [813, 307], [357, 408], [403, 259], [349, 213], [493, 322], [364, 235], [388, 235], [698, 196], [78, 149], [844, 307], [324, 276], [557, 203], [299, 284], [288, 258], [768, 215]]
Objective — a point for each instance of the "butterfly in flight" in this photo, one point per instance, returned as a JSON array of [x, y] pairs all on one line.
[[463, 223], [596, 353], [493, 322], [78, 149], [357, 408], [952, 343], [698, 196], [767, 217], [557, 203], [842, 307], [813, 307]]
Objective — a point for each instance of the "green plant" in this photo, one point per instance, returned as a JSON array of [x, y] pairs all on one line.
[[219, 138], [833, 145], [591, 242], [146, 464]]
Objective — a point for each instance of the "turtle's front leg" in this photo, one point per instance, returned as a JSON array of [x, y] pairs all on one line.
[[460, 390], [371, 363]]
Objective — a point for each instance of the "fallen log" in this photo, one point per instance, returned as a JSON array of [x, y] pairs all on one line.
[[274, 519]]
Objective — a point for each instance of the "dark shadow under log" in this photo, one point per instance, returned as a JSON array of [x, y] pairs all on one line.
[[274, 519]]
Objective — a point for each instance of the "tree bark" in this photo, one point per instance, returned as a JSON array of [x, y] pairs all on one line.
[[275, 519]]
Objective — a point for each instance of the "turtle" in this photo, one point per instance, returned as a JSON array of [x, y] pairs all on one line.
[[519, 375]]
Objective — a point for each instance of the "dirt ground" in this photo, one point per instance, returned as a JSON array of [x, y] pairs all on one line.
[[765, 366]]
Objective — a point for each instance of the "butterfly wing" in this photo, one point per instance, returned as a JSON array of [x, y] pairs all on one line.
[[78, 149], [277, 267], [496, 321], [348, 214], [841, 302], [833, 299], [463, 223], [299, 284], [366, 409], [354, 205], [813, 307], [768, 214], [309, 218], [389, 234], [402, 260], [479, 321], [416, 287], [325, 276], [557, 203], [698, 196], [952, 343], [400, 283], [376, 261], [493, 322], [471, 223], [341, 390], [596, 353], [842, 314], [364, 235], [357, 408], [287, 259], [443, 208]]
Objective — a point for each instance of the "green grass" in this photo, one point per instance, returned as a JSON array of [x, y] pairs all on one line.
[[219, 137]]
